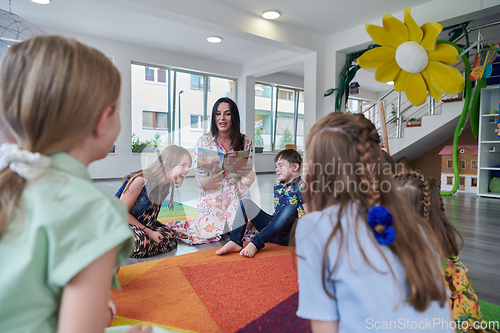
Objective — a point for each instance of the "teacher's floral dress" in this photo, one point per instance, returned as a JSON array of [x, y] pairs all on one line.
[[217, 206]]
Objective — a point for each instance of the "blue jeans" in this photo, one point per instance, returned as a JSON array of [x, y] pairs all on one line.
[[272, 229]]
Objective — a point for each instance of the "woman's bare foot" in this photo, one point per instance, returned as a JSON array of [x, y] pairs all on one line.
[[228, 247], [249, 251]]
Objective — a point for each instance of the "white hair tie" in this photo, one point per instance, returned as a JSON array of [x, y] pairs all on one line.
[[23, 162]]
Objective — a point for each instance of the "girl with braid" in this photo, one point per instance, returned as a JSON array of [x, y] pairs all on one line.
[[361, 264], [423, 195]]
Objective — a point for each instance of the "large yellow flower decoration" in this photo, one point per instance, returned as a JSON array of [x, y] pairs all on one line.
[[409, 56]]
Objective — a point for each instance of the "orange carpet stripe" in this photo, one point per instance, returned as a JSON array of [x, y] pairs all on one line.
[[238, 292], [164, 296], [195, 292]]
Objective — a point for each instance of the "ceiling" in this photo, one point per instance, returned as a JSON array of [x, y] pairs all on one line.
[[182, 26], [324, 17]]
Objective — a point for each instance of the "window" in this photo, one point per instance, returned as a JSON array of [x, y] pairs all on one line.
[[150, 74], [474, 164], [461, 164], [162, 75], [279, 117], [198, 82], [196, 122], [449, 180], [450, 163], [462, 181], [473, 182], [155, 120]]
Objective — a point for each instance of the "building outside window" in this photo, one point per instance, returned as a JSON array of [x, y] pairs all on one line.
[[149, 74], [198, 82], [162, 75], [279, 117], [196, 122], [155, 120]]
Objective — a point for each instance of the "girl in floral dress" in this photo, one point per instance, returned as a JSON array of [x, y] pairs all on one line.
[[423, 195]]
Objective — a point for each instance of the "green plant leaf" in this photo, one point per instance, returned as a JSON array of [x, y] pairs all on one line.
[[329, 92]]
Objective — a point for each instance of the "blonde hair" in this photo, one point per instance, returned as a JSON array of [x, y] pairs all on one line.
[[52, 92], [169, 158], [341, 138]]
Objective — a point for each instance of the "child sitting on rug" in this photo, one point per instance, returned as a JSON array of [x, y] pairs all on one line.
[[423, 195], [361, 263], [61, 237], [288, 206], [144, 191]]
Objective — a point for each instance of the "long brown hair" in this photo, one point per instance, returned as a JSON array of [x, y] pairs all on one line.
[[340, 138], [52, 92], [237, 139], [422, 193], [169, 158]]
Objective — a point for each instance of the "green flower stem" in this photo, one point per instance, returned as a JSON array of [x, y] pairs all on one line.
[[458, 129]]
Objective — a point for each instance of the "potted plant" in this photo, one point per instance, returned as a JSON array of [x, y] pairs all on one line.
[[414, 122], [259, 142]]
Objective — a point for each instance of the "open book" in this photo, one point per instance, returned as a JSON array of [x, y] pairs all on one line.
[[231, 162]]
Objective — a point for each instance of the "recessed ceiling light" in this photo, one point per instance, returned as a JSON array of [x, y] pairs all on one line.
[[391, 83], [214, 39], [271, 15], [41, 2]]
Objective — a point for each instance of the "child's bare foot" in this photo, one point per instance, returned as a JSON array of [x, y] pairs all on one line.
[[228, 247], [249, 251]]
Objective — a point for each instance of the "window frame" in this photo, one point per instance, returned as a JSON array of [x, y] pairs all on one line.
[[155, 120], [275, 91]]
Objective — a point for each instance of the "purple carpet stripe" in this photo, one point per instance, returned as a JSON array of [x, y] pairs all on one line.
[[281, 319]]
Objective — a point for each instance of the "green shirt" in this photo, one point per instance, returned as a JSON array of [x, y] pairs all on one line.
[[66, 223]]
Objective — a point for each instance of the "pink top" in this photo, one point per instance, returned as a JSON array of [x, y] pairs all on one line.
[[448, 150]]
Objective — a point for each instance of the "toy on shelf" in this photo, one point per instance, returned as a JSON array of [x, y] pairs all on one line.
[[467, 166]]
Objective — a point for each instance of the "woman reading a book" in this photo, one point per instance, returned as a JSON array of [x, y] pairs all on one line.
[[219, 191]]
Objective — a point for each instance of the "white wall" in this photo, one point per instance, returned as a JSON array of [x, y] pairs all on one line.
[[123, 161]]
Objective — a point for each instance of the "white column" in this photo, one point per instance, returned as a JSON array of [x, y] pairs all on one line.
[[246, 105]]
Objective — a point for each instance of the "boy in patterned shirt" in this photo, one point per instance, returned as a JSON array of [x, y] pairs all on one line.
[[288, 206]]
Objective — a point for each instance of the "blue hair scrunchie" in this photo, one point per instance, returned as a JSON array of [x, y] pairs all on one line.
[[380, 219]]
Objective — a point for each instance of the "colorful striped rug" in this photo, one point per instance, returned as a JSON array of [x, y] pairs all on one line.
[[203, 292], [180, 212]]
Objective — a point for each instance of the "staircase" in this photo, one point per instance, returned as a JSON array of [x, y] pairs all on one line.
[[434, 130]]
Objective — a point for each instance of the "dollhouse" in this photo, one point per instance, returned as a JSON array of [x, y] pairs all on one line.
[[467, 166]]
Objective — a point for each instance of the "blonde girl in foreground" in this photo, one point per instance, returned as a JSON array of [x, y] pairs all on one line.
[[60, 236], [365, 261]]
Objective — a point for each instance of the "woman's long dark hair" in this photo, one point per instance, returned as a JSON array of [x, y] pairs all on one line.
[[237, 139]]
